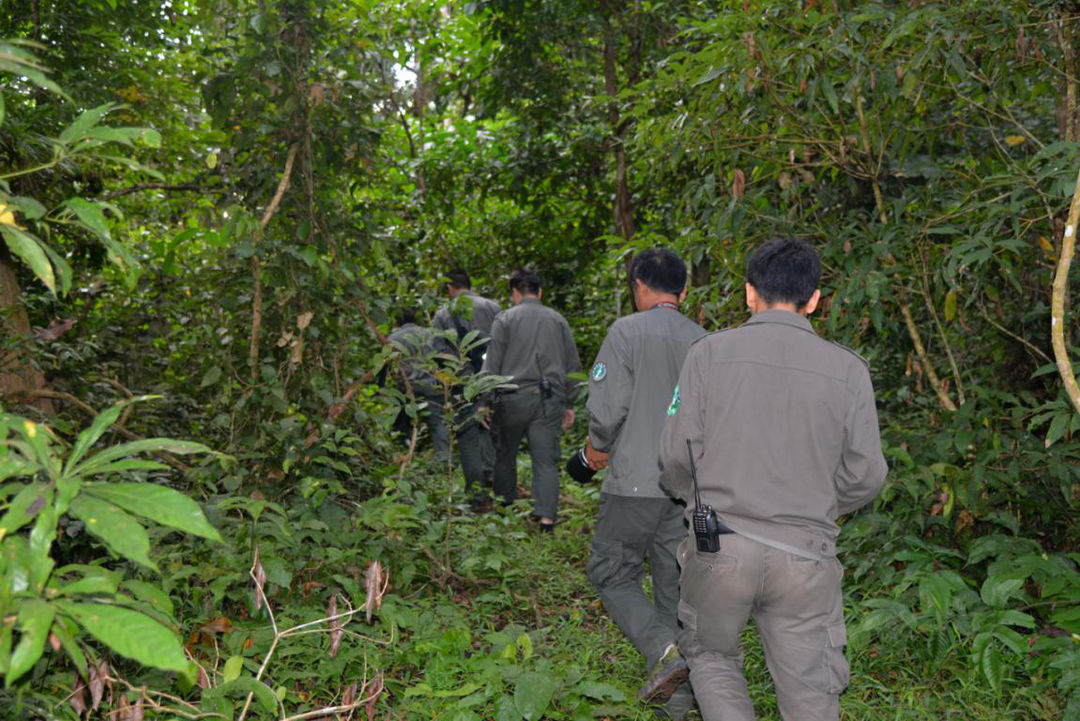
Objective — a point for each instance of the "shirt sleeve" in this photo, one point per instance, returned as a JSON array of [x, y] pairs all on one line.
[[685, 421], [611, 388], [862, 470], [571, 362]]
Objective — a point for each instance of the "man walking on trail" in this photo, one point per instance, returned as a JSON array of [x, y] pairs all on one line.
[[784, 436], [629, 387], [417, 346], [533, 344], [468, 312]]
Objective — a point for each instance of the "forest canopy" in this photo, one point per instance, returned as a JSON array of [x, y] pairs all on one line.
[[211, 210]]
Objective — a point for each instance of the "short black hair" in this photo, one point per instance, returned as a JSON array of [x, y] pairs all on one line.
[[661, 269], [458, 278], [526, 281], [405, 316], [784, 270]]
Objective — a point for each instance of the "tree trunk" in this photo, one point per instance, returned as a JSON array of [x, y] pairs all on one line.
[[17, 372]]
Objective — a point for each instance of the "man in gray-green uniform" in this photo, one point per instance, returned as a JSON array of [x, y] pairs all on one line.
[[533, 344], [417, 346], [785, 436], [629, 388], [467, 312]]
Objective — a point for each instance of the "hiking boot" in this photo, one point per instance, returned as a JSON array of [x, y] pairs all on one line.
[[665, 677], [547, 528]]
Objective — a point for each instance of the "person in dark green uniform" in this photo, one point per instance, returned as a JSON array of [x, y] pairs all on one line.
[[417, 345], [629, 388], [533, 344], [467, 312]]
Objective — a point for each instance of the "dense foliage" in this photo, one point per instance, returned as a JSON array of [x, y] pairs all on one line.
[[220, 202]]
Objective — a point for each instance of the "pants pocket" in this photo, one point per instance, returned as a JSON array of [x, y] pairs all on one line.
[[836, 666]]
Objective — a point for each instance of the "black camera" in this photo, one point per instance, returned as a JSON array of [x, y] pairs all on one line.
[[546, 391], [577, 467]]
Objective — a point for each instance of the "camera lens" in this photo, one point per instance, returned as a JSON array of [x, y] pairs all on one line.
[[578, 468]]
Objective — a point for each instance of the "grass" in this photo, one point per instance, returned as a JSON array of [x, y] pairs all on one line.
[[541, 587]]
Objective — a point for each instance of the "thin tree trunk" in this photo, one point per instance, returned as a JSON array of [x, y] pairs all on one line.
[[256, 266], [18, 376], [1057, 303], [623, 209]]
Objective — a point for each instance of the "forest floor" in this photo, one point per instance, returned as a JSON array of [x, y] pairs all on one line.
[[543, 592]]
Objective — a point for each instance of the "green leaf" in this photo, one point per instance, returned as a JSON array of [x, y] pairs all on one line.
[[997, 591], [92, 216], [533, 693], [120, 532], [134, 448], [24, 507], [211, 377], [82, 124], [245, 685], [95, 579], [35, 619], [233, 667], [992, 666], [950, 305], [27, 248], [158, 503], [102, 422], [601, 692], [150, 594], [130, 634], [128, 465], [505, 710]]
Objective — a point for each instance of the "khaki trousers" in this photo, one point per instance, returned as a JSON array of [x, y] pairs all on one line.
[[798, 608]]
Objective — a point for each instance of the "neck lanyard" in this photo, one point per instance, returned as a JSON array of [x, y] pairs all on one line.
[[666, 304]]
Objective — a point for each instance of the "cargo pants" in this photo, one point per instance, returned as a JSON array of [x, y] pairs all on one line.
[[629, 529], [524, 414], [798, 608]]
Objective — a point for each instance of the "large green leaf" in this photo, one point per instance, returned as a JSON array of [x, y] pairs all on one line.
[[134, 448], [35, 618], [28, 249], [24, 507], [120, 532], [84, 123], [533, 693], [130, 633], [92, 216], [158, 503], [102, 422]]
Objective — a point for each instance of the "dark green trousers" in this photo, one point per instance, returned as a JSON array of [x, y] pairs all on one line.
[[525, 415]]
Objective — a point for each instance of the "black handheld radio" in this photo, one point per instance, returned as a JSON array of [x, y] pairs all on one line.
[[707, 527]]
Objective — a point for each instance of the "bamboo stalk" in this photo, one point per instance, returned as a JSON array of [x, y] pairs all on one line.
[[1057, 303]]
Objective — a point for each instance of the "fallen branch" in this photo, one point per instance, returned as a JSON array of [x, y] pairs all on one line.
[[187, 187], [1057, 303]]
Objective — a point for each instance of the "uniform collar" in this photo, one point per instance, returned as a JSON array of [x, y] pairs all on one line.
[[467, 293], [530, 300], [783, 317]]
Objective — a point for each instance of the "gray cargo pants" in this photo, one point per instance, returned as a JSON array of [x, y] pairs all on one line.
[[798, 607], [629, 528], [524, 415]]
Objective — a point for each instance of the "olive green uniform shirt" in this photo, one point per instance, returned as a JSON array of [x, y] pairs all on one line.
[[784, 432], [629, 388], [530, 341]]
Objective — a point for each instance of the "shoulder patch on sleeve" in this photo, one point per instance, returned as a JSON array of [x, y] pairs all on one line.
[[849, 350], [599, 372], [676, 401]]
